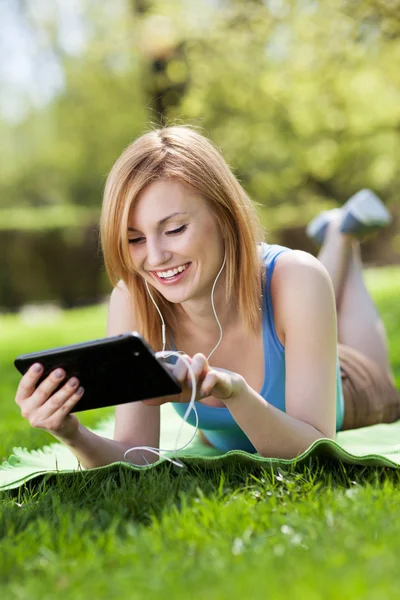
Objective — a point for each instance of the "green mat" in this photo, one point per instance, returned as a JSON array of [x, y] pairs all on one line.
[[376, 446]]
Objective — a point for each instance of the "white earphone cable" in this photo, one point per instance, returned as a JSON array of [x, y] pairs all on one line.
[[165, 354]]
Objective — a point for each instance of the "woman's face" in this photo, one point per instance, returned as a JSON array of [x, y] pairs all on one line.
[[190, 239]]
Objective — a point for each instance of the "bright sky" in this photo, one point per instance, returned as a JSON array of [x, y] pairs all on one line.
[[29, 72]]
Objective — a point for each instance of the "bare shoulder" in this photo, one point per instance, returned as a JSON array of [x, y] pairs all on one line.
[[290, 262], [136, 424], [296, 273], [121, 314], [296, 270], [121, 286]]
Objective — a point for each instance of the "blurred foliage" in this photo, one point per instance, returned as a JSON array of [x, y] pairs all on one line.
[[58, 264], [62, 153], [302, 97], [57, 216]]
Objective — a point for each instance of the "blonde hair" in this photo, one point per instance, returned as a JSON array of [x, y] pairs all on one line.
[[182, 153]]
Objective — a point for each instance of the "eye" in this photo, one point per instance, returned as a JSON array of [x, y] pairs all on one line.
[[177, 231], [172, 232]]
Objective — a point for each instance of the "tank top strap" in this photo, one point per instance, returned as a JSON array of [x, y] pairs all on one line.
[[270, 253]]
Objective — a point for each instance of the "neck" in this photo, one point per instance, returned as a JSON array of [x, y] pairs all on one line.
[[197, 318]]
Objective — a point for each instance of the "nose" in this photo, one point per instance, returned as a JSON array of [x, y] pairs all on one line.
[[156, 254]]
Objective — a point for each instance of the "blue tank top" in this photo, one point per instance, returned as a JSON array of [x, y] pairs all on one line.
[[217, 422]]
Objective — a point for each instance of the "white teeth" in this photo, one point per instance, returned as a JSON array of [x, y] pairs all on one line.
[[171, 272]]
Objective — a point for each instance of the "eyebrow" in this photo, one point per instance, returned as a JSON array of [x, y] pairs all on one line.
[[162, 221]]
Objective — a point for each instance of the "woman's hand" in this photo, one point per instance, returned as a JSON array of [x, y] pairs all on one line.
[[210, 381], [46, 410]]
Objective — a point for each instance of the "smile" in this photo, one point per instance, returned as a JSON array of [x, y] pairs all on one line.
[[172, 275]]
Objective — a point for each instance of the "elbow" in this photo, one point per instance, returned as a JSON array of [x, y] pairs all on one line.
[[327, 434]]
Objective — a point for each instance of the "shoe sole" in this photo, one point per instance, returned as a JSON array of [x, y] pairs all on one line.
[[359, 229], [364, 212]]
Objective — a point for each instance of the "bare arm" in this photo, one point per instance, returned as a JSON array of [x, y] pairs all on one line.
[[271, 431], [135, 424], [307, 304], [93, 450], [47, 409]]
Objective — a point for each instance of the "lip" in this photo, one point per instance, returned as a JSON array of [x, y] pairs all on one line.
[[174, 279], [172, 268]]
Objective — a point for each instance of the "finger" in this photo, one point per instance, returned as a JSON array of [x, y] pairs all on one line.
[[28, 383], [58, 418], [211, 380], [199, 365], [181, 369], [51, 414], [47, 387], [200, 368]]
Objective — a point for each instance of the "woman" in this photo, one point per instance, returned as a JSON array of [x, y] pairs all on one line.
[[181, 238]]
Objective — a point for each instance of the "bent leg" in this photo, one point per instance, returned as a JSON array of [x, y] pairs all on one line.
[[335, 254], [359, 324]]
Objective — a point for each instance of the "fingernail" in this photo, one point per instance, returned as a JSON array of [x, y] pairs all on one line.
[[59, 373], [37, 368]]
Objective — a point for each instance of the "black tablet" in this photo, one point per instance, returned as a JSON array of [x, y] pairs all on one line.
[[113, 370]]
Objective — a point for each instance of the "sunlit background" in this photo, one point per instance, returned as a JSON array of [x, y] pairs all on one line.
[[302, 97]]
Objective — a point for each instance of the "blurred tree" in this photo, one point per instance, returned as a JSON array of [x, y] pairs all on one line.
[[302, 97], [61, 153], [165, 70]]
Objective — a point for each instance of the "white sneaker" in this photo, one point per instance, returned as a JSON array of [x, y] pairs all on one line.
[[364, 213], [316, 229]]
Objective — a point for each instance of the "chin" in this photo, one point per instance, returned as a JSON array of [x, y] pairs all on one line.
[[175, 298]]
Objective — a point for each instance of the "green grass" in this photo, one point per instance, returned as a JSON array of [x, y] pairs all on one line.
[[21, 337], [330, 532], [284, 535]]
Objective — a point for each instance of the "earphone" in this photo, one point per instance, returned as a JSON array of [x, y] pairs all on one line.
[[165, 354]]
